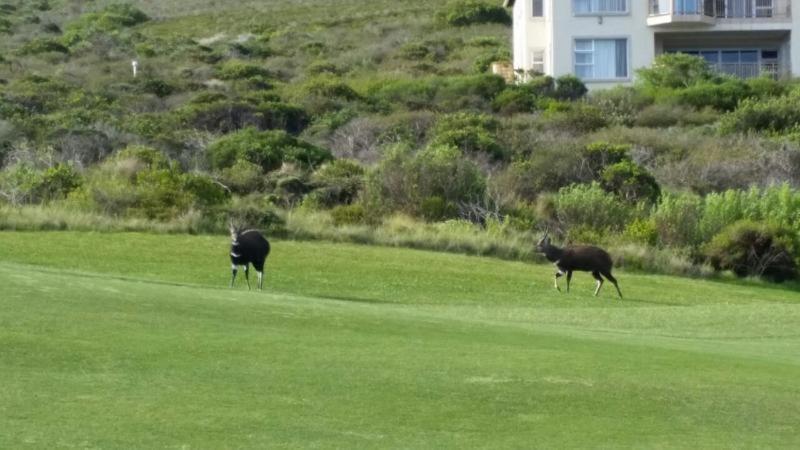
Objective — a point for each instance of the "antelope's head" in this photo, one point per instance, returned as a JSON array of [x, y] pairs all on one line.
[[235, 232], [543, 243]]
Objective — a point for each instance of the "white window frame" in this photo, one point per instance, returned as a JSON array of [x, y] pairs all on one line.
[[599, 12], [542, 62], [575, 63]]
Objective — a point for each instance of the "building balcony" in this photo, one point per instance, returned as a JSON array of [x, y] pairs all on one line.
[[749, 70], [711, 12]]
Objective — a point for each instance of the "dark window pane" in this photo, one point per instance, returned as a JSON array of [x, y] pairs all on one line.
[[769, 54], [749, 56], [730, 57]]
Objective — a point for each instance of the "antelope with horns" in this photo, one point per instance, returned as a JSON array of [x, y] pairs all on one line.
[[248, 247], [578, 257]]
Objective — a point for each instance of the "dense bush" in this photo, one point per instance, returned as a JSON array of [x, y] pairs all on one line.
[[337, 183], [575, 117], [445, 94], [239, 70], [267, 149], [472, 12], [676, 219], [723, 96], [590, 206], [471, 133], [111, 19], [755, 249], [403, 179], [674, 71], [569, 87], [226, 116], [630, 182], [773, 115]]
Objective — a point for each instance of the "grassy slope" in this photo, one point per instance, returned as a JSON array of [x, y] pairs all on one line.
[[132, 340]]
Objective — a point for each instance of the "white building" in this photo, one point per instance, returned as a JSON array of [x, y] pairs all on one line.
[[604, 41]]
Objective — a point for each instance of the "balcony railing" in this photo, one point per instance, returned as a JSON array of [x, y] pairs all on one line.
[[749, 70], [723, 9]]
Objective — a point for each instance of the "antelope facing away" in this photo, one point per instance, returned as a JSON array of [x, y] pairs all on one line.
[[585, 258], [248, 247]]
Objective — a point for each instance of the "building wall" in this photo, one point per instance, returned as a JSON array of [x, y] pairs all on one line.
[[557, 31], [631, 26]]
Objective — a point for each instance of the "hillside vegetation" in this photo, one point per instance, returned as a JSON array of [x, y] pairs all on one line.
[[373, 121], [134, 340]]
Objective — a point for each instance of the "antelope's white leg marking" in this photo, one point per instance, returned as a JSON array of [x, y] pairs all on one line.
[[260, 279], [235, 255], [558, 274], [234, 266], [599, 285]]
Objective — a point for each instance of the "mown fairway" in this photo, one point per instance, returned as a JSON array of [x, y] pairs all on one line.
[[133, 340]]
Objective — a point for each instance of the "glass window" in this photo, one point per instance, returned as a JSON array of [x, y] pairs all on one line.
[[730, 57], [601, 59], [749, 56], [537, 61], [769, 54], [538, 8], [599, 6]]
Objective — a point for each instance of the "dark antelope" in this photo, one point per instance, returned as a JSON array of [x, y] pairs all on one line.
[[248, 247], [579, 257]]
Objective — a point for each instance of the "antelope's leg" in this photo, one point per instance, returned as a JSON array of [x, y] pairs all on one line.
[[247, 276], [233, 271], [558, 274], [569, 278], [260, 280], [599, 279]]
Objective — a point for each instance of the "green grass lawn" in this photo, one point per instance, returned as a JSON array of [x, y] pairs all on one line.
[[134, 340]]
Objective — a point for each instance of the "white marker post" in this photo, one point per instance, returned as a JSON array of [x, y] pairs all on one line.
[[135, 65]]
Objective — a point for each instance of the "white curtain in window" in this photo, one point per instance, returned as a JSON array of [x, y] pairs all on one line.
[[605, 59], [583, 6]]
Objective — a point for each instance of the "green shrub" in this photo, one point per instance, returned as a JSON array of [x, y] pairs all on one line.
[[235, 69], [439, 93], [621, 104], [597, 156], [569, 87], [338, 182], [673, 71], [630, 182], [525, 97], [42, 45], [777, 205], [56, 183], [255, 211], [349, 214], [469, 132], [677, 218], [755, 249], [642, 231], [228, 116], [575, 117], [437, 209], [723, 96], [111, 19], [157, 87], [267, 149], [765, 87], [547, 169], [473, 12], [774, 115], [243, 177], [588, 205], [402, 180]]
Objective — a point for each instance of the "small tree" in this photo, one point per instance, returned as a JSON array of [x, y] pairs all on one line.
[[675, 70]]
